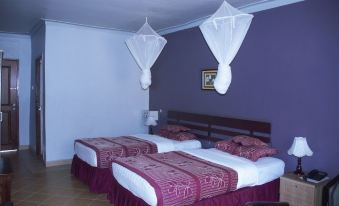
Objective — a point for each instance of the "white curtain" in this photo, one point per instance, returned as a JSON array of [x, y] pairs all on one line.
[[224, 33], [145, 46]]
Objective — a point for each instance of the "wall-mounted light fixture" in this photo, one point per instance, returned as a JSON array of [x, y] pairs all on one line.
[[150, 118]]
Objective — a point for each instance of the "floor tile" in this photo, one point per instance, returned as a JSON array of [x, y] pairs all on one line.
[[57, 200], [88, 195], [21, 195], [78, 202], [38, 198], [33, 184], [99, 203], [24, 203]]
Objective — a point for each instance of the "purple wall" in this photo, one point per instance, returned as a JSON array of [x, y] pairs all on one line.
[[286, 73]]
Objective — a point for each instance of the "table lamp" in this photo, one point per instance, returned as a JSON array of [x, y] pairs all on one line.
[[300, 149]]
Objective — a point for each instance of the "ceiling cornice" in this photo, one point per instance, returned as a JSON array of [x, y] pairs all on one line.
[[251, 8]]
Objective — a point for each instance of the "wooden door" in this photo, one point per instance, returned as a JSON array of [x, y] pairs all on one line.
[[38, 105], [9, 105]]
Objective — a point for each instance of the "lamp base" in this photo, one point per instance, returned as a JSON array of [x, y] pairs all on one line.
[[299, 171]]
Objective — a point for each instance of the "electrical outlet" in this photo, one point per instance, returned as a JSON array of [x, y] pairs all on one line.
[[146, 113]]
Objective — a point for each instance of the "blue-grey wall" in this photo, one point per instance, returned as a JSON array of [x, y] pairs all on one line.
[[286, 73]]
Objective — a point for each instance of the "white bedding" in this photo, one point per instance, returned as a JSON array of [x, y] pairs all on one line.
[[164, 145], [249, 173]]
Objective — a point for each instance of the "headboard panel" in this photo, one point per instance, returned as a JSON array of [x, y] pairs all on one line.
[[211, 127]]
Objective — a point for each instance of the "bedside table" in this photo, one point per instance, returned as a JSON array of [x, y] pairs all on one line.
[[298, 192]]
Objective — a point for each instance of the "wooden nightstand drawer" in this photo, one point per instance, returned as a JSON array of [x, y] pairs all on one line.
[[297, 192]]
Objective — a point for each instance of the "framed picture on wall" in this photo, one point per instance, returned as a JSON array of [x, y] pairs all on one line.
[[207, 79]]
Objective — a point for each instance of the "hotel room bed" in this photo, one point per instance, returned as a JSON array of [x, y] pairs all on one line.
[[258, 181], [85, 165], [249, 173], [89, 156]]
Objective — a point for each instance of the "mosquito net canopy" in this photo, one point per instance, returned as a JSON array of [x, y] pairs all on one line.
[[145, 46], [224, 33]]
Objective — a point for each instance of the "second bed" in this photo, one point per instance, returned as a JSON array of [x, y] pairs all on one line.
[[93, 156]]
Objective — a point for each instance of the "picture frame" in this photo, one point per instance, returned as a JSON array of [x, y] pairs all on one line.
[[207, 79]]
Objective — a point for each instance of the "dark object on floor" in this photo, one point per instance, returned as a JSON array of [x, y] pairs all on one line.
[[7, 204], [5, 179], [331, 193], [267, 204]]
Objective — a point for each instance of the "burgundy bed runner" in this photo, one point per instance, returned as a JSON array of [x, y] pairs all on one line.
[[179, 178], [109, 148]]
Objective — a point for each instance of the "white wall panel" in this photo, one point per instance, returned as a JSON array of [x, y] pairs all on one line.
[[92, 87]]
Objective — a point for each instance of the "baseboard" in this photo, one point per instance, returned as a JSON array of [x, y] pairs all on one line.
[[23, 147], [58, 163]]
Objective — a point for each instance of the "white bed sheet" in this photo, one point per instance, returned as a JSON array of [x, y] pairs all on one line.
[[269, 168], [163, 144], [249, 173]]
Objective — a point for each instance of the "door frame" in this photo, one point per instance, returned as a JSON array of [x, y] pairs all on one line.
[[39, 62], [38, 141], [17, 100], [1, 59]]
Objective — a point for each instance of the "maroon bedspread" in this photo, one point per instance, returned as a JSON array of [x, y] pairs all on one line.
[[99, 180], [119, 196], [109, 148], [181, 179]]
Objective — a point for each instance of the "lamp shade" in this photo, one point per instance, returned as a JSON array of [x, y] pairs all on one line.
[[300, 148], [150, 121]]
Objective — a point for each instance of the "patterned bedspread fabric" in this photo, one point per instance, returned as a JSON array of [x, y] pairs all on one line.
[[109, 148], [179, 178]]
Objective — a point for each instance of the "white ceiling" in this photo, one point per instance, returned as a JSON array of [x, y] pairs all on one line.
[[20, 16]]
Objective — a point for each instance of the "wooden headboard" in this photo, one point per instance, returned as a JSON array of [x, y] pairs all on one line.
[[214, 128]]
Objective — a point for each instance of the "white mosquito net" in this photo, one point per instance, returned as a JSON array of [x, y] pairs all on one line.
[[224, 32], [145, 46]]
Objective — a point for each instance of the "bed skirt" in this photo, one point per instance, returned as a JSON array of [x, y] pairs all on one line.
[[99, 180], [119, 196]]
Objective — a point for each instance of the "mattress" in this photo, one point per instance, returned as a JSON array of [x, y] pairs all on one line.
[[89, 156], [249, 173]]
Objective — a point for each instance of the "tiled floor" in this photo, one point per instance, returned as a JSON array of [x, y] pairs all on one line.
[[35, 185]]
